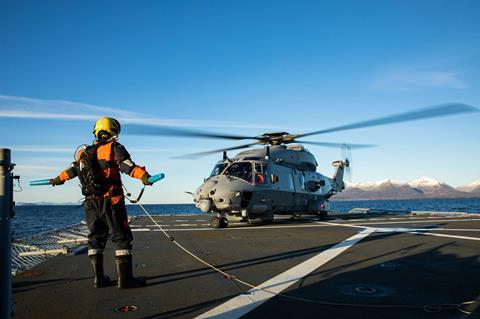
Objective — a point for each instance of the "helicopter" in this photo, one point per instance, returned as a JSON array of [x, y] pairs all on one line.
[[259, 183], [280, 178]]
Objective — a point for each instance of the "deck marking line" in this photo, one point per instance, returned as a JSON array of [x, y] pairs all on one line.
[[408, 230], [420, 221], [418, 231], [343, 224], [445, 235], [314, 224], [244, 303], [252, 227]]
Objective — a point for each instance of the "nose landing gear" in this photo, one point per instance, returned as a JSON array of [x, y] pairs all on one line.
[[219, 222]]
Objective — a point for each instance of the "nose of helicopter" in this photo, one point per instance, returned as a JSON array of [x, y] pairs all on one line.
[[221, 193], [205, 205]]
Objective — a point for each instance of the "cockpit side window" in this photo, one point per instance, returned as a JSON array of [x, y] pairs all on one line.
[[260, 173], [241, 170], [218, 169]]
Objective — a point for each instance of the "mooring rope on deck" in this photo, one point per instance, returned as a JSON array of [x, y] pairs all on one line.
[[225, 274]]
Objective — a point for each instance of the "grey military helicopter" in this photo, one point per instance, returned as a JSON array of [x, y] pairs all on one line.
[[281, 177], [276, 179]]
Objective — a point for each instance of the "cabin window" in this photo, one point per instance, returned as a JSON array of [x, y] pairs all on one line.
[[291, 186], [301, 180], [241, 170]]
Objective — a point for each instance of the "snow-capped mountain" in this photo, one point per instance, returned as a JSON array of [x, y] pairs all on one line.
[[424, 182], [424, 187], [372, 185], [473, 187], [431, 186], [386, 189]]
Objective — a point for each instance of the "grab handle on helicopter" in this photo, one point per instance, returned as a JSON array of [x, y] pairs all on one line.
[[41, 182], [156, 178]]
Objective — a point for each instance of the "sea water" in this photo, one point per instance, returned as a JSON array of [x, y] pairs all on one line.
[[30, 220], [34, 219]]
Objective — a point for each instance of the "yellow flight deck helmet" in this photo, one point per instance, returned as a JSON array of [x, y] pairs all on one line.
[[108, 125]]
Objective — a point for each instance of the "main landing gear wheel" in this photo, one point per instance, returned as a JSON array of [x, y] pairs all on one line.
[[322, 215], [219, 222], [223, 222], [268, 217]]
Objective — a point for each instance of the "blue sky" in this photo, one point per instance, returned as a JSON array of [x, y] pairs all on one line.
[[238, 67]]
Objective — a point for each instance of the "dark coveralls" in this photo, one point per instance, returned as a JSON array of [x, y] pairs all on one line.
[[108, 212]]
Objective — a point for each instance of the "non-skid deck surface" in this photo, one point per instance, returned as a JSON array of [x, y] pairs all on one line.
[[308, 268]]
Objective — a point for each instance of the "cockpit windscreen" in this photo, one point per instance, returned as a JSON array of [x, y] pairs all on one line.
[[218, 169], [248, 171]]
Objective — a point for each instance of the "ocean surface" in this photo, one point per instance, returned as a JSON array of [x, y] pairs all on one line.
[[31, 220]]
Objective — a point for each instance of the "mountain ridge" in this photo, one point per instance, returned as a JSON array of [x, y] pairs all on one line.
[[424, 187]]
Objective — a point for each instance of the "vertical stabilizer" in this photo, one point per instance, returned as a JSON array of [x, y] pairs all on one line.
[[338, 184]]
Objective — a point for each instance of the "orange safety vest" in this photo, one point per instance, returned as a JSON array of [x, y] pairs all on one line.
[[109, 172]]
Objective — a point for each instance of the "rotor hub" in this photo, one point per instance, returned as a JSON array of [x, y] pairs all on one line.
[[276, 138]]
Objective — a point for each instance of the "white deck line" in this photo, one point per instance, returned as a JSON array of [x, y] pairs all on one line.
[[244, 303], [417, 231], [152, 227], [445, 235], [418, 221], [343, 224], [386, 229], [239, 228]]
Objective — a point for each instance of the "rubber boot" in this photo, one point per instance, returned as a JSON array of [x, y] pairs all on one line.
[[125, 273], [100, 280]]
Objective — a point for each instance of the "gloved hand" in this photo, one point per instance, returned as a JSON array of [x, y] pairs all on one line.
[[56, 181], [145, 178]]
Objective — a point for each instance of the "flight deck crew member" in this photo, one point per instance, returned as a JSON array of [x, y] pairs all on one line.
[[105, 208]]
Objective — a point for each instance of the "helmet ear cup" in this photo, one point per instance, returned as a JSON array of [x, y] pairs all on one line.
[[116, 126]]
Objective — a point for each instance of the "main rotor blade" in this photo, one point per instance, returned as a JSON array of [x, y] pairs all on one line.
[[337, 145], [429, 112], [138, 129], [195, 155]]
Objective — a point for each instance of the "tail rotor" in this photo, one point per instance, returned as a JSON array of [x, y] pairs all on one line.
[[346, 154]]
